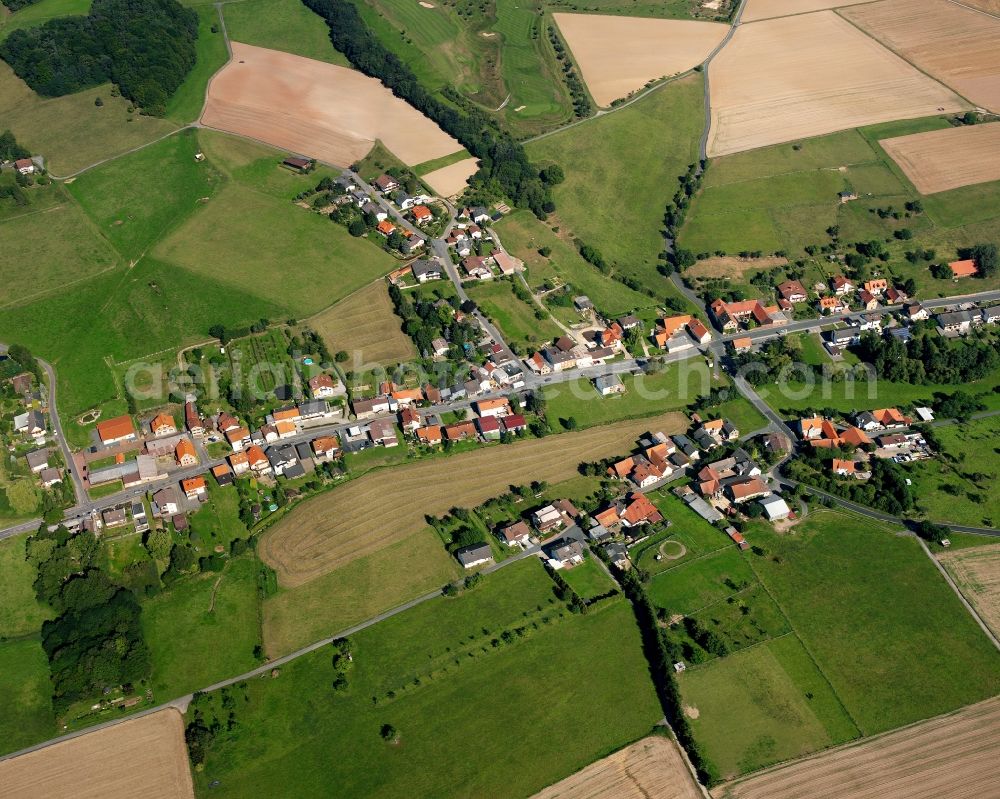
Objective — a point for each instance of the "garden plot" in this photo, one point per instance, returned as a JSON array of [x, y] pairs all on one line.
[[807, 75]]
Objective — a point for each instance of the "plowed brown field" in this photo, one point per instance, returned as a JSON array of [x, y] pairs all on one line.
[[618, 55], [648, 768], [378, 509], [807, 75], [939, 160], [949, 757], [144, 757], [958, 46], [977, 572], [316, 109]]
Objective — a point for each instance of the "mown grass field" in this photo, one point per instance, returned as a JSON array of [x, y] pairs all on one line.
[[31, 16], [672, 389], [961, 486], [588, 579], [20, 613], [620, 172], [366, 326], [515, 318], [25, 691], [203, 629], [694, 584], [524, 236], [59, 243], [71, 132], [285, 25], [434, 658], [136, 199], [350, 594], [869, 605], [186, 103], [241, 235]]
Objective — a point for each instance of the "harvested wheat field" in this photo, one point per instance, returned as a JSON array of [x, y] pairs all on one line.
[[956, 45], [729, 266], [366, 326], [618, 55], [386, 506], [939, 160], [316, 109], [450, 180], [977, 572], [647, 768], [143, 757], [796, 77], [768, 9], [948, 757], [989, 6]]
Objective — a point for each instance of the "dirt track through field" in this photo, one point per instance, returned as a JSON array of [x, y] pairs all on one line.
[[378, 509], [791, 78], [949, 757], [977, 572], [767, 9], [453, 179], [316, 109], [959, 47], [618, 55], [939, 160], [652, 767], [144, 757]]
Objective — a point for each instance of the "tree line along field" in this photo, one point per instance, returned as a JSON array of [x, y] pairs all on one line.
[[784, 198], [418, 672], [865, 604], [196, 243], [621, 170]]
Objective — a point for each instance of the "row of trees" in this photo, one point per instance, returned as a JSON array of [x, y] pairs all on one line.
[[505, 168], [577, 91], [423, 321], [929, 358], [146, 47]]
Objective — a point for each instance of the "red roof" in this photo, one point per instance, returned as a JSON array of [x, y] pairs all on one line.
[[488, 424], [514, 422], [119, 427]]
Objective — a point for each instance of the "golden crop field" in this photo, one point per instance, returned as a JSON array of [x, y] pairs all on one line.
[[795, 77], [143, 757], [948, 757], [383, 507], [768, 9], [956, 45], [650, 767], [977, 572], [938, 160], [365, 325]]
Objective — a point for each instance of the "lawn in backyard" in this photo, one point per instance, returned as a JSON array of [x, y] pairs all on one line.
[[203, 629], [960, 484], [621, 170], [286, 25], [359, 590], [134, 200], [515, 317], [416, 671], [20, 613], [762, 705], [877, 617], [645, 394], [524, 235], [217, 521], [25, 694], [687, 531], [240, 235], [72, 132], [589, 579]]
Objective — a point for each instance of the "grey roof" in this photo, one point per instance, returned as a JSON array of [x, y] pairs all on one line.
[[607, 381], [295, 470], [901, 333], [843, 335], [303, 450], [565, 549], [37, 458], [473, 553], [422, 266], [955, 318], [991, 313], [313, 407]]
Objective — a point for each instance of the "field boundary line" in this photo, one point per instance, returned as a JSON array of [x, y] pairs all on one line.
[[958, 592], [806, 13], [901, 57], [982, 11], [42, 294], [740, 651], [812, 657]]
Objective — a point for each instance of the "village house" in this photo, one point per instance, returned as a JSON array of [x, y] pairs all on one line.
[[421, 214], [386, 228], [775, 509], [607, 385], [478, 266], [745, 490], [239, 463], [114, 517], [49, 477], [285, 428], [425, 270], [896, 295], [792, 291], [385, 183], [165, 502], [635, 510], [383, 431], [194, 488], [872, 322], [990, 316], [238, 438], [460, 431], [225, 422], [163, 424], [564, 553], [517, 534], [24, 166], [223, 475], [867, 300], [489, 427], [493, 407], [120, 428], [37, 460], [876, 286], [258, 460], [831, 305], [409, 419], [375, 210], [547, 519], [842, 285], [363, 408], [843, 468], [185, 453], [429, 435], [411, 244], [956, 323], [514, 423], [916, 312], [323, 386], [730, 315], [698, 331], [667, 327], [721, 429], [582, 303], [474, 555], [507, 263], [325, 447], [966, 268]]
